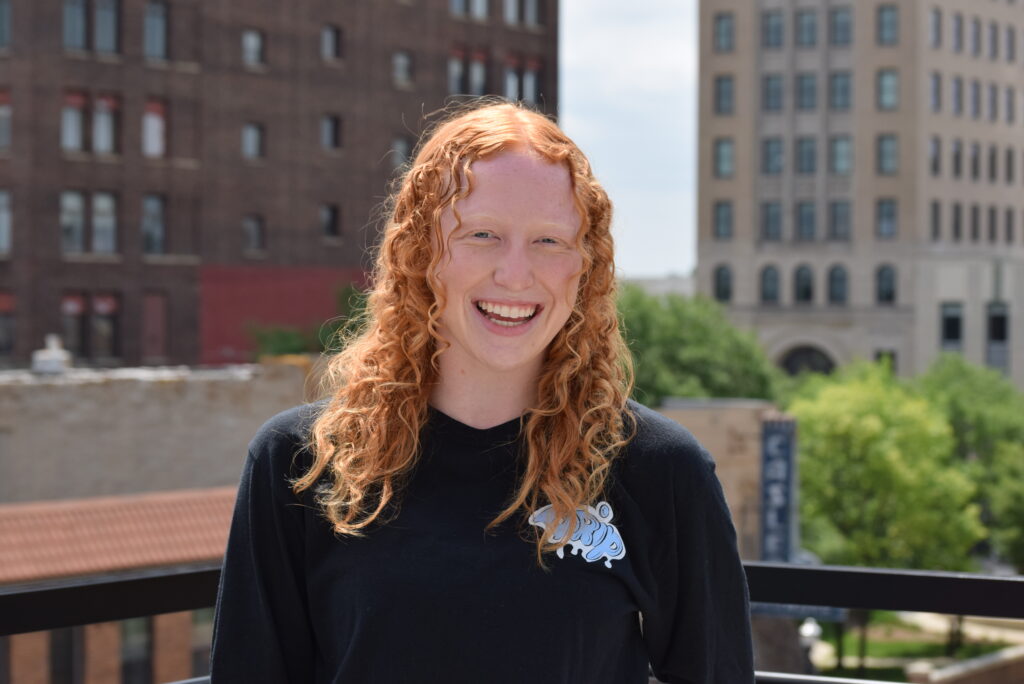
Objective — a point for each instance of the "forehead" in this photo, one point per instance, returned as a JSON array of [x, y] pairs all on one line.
[[521, 185]]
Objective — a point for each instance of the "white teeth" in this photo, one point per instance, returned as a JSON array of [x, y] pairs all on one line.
[[508, 311]]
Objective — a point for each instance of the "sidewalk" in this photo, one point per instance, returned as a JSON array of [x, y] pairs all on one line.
[[977, 629]]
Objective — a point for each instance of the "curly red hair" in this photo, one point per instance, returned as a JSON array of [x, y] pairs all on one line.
[[367, 437]]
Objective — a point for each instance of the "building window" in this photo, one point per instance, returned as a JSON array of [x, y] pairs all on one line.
[[997, 333], [839, 220], [478, 75], [951, 326], [837, 286], [806, 221], [803, 285], [975, 99], [806, 155], [401, 69], [137, 650], [5, 120], [154, 40], [331, 43], [975, 223], [154, 225], [1009, 164], [67, 655], [886, 218], [722, 229], [330, 221], [806, 91], [5, 222], [993, 40], [154, 129], [401, 148], [252, 48], [512, 79], [107, 25], [72, 123], [478, 9], [993, 102], [885, 285], [1010, 105], [887, 154], [975, 37], [993, 224], [104, 333], [72, 222], [73, 321], [958, 32], [202, 638], [958, 95], [511, 13], [888, 25], [330, 132], [724, 32], [806, 27], [839, 91], [771, 92], [458, 8], [723, 283], [771, 29], [958, 158], [887, 89], [532, 14], [769, 285], [104, 223], [840, 27], [254, 235], [105, 118], [935, 27], [252, 141], [723, 95], [975, 161], [723, 157], [935, 215], [935, 155], [840, 161], [771, 156], [936, 91], [5, 24], [957, 222], [771, 221], [1010, 214], [457, 73], [74, 24], [7, 334], [1011, 44], [993, 164]]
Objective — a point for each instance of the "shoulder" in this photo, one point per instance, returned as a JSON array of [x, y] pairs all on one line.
[[283, 437], [662, 449]]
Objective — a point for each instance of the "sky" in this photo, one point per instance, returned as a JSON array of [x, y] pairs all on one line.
[[628, 82]]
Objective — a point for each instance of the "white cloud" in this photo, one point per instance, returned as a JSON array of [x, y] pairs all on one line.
[[628, 98]]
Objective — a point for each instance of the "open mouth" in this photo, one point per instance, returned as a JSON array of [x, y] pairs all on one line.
[[507, 315]]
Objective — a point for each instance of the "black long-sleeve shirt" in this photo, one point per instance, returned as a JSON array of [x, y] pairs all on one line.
[[432, 597]]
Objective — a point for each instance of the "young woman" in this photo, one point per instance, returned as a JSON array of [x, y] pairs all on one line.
[[477, 501]]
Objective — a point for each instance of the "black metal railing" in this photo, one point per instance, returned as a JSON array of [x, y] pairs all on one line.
[[78, 601]]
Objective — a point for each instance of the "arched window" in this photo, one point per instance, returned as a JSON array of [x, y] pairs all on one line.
[[885, 285], [837, 285], [723, 283], [803, 285], [769, 285]]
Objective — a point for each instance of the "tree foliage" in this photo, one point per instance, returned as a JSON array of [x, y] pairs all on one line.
[[879, 485], [686, 347]]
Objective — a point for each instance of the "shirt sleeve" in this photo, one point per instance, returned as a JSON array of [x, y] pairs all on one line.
[[699, 632], [262, 629]]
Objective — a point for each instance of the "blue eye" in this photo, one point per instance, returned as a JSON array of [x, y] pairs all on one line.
[[482, 234]]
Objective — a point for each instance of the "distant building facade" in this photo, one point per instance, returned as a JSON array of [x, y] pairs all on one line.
[[174, 173], [861, 177]]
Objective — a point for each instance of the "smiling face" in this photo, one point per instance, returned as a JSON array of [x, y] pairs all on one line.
[[512, 268]]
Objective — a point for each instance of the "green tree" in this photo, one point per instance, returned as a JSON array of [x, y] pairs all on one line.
[[1006, 499], [686, 347], [331, 336], [879, 486]]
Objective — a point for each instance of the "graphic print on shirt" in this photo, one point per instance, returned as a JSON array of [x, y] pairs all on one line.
[[595, 537]]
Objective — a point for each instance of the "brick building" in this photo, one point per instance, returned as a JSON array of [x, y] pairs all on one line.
[[173, 173]]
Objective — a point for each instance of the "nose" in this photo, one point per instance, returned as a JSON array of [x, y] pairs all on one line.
[[514, 269]]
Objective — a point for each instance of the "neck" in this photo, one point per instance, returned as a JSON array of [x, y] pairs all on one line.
[[483, 400]]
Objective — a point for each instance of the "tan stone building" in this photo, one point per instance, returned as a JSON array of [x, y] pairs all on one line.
[[861, 177]]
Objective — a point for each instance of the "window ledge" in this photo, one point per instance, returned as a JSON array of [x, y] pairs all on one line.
[[109, 57], [76, 155], [108, 158], [255, 68], [254, 253], [185, 163], [333, 241], [171, 259], [91, 258], [405, 86]]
